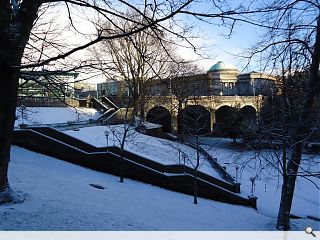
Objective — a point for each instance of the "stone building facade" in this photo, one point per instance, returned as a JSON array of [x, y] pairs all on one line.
[[222, 79], [213, 95]]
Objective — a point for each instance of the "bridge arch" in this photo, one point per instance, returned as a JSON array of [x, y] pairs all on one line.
[[160, 115], [195, 120], [248, 115], [227, 120], [223, 113]]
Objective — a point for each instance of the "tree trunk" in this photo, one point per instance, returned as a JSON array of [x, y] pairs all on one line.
[[283, 220], [8, 97], [142, 99], [15, 30], [195, 188], [292, 171], [123, 140], [179, 117], [302, 130], [122, 166], [289, 180], [195, 177], [142, 105]]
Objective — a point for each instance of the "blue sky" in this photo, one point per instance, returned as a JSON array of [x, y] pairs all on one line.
[[220, 47]]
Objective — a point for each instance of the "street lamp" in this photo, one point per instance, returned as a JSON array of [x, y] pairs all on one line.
[[107, 137], [113, 137], [237, 169], [23, 113], [184, 156], [252, 179]]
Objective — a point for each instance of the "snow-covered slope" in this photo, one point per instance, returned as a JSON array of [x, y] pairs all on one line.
[[267, 184], [48, 115], [268, 181], [58, 197], [156, 149]]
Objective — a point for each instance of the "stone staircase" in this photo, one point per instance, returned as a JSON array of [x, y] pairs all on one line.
[[115, 161], [106, 107]]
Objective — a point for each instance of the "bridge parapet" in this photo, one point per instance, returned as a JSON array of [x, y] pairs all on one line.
[[239, 101], [212, 103]]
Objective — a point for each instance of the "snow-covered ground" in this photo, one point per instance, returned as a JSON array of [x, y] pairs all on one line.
[[49, 115], [156, 149], [58, 197], [267, 183]]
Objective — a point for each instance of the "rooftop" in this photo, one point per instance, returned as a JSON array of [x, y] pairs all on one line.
[[222, 66]]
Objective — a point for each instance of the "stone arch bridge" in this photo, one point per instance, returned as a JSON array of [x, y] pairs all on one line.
[[206, 112]]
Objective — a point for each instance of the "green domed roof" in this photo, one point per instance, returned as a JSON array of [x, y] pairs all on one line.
[[219, 66]]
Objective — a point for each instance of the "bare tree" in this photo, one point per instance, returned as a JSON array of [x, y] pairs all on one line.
[[18, 18], [291, 47], [291, 41], [18, 51], [136, 60], [195, 121], [121, 133], [277, 131], [185, 82]]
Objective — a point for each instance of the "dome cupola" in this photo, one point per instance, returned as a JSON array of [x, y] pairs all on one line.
[[223, 66]]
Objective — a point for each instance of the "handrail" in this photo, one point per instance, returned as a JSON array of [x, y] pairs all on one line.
[[107, 100], [214, 164], [143, 160], [101, 107]]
